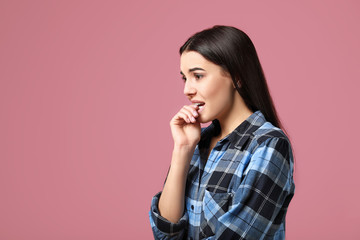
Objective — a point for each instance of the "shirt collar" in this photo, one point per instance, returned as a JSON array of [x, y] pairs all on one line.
[[239, 136]]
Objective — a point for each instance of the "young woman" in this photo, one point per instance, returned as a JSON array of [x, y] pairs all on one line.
[[233, 179]]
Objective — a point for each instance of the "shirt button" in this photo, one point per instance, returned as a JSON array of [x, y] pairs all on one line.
[[192, 208]]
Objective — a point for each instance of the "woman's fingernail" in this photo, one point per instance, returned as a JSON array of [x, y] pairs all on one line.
[[195, 113], [193, 119]]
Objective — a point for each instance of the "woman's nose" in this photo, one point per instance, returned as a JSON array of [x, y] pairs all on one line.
[[189, 88]]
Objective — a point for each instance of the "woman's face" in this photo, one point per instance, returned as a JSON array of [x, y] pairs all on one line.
[[206, 82]]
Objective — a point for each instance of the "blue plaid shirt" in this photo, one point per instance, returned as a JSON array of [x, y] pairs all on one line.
[[242, 191]]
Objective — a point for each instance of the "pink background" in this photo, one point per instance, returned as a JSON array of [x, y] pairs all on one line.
[[87, 90]]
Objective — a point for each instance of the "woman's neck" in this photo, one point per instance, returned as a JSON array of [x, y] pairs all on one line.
[[237, 114]]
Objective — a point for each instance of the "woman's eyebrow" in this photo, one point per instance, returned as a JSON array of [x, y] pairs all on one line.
[[193, 69]]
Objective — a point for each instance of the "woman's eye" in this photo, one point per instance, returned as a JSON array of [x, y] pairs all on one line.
[[198, 76]]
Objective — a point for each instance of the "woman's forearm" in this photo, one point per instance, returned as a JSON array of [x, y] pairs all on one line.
[[171, 202]]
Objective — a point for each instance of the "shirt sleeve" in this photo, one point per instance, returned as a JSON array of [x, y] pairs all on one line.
[[161, 227], [256, 209]]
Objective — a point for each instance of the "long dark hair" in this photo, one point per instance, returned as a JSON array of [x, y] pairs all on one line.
[[233, 50]]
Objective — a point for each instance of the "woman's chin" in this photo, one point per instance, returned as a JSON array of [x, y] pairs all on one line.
[[202, 119]]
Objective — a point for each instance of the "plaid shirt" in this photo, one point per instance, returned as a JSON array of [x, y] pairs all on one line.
[[242, 191]]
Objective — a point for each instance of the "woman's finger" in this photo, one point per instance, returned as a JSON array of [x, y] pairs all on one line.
[[192, 109], [189, 114], [183, 116]]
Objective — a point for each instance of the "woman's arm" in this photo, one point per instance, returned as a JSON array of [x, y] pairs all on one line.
[[186, 134], [167, 216], [171, 203]]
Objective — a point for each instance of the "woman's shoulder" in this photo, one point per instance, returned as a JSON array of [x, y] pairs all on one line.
[[267, 131], [271, 139], [269, 136], [256, 130]]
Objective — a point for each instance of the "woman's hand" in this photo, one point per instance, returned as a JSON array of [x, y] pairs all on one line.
[[185, 128]]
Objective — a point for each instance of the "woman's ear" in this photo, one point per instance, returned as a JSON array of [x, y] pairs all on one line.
[[237, 83]]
